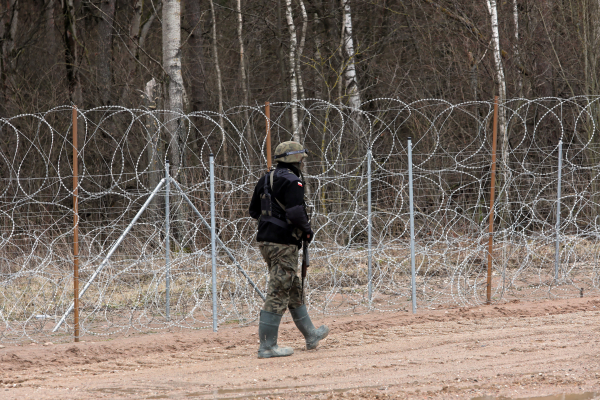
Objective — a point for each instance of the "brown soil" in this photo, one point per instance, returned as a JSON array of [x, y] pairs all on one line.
[[515, 350]]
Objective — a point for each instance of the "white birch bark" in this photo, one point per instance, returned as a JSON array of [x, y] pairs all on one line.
[[301, 49], [292, 69], [350, 79], [500, 79], [517, 56], [171, 19], [219, 86], [502, 127]]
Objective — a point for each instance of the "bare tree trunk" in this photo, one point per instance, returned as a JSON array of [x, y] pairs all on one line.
[[171, 42], [135, 25], [195, 55], [301, 49], [8, 31], [105, 41], [132, 48], [171, 18], [590, 47], [194, 67], [219, 90], [340, 77], [500, 79], [292, 69], [138, 33], [243, 76], [71, 57], [350, 79], [318, 72], [502, 128], [281, 63], [50, 32], [517, 56], [299, 67], [146, 28]]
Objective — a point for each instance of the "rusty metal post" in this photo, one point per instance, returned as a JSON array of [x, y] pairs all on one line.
[[268, 125], [492, 193], [75, 229]]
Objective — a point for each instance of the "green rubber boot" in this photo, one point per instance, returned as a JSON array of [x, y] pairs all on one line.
[[311, 334], [268, 328]]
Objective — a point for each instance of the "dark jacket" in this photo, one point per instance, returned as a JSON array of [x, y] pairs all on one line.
[[289, 190]]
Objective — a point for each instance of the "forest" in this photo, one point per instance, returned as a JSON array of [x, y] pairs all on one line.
[[216, 55]]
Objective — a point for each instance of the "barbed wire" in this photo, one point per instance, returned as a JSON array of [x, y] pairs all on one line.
[[122, 158]]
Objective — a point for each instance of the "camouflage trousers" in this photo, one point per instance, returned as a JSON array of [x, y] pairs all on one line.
[[285, 286]]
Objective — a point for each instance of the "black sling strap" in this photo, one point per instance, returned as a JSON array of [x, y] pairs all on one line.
[[268, 216]]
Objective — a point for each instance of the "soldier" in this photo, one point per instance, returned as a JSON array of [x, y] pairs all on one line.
[[278, 204]]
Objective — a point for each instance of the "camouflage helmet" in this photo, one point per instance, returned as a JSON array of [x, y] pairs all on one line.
[[290, 152]]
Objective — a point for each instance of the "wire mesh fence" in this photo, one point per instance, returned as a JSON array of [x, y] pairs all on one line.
[[122, 158]]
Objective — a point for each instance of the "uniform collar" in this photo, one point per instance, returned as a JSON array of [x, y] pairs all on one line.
[[291, 166]]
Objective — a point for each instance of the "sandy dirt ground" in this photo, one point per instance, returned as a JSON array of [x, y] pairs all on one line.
[[510, 351]]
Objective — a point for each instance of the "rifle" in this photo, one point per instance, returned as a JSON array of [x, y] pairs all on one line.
[[305, 264]]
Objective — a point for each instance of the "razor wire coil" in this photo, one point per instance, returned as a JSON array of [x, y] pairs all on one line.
[[122, 156]]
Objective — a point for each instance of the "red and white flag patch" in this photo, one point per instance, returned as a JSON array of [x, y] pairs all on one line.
[[300, 184]]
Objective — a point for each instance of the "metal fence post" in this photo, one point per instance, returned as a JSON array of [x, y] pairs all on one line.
[[167, 242], [75, 230], [213, 235], [492, 197], [557, 252], [369, 227], [412, 229]]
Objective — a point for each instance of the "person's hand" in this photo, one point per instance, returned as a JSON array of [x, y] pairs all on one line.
[[308, 236]]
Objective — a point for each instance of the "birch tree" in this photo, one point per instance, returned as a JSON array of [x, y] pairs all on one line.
[[501, 84], [351, 87], [301, 49], [171, 38], [517, 55], [500, 79], [292, 69], [299, 63], [138, 33]]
